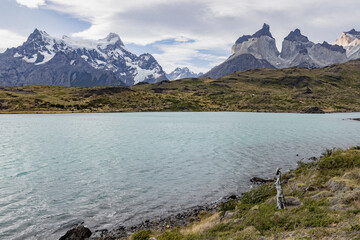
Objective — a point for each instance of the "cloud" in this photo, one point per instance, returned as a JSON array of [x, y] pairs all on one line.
[[186, 54], [10, 39], [31, 3]]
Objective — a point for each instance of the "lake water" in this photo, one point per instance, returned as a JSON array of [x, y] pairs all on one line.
[[119, 168]]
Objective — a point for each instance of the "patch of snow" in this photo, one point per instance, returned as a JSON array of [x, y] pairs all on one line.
[[17, 55], [72, 62], [85, 57], [47, 57], [30, 60]]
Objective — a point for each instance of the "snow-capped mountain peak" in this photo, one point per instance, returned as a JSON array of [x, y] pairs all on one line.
[[107, 54], [180, 73]]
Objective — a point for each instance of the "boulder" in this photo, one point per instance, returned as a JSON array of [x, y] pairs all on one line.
[[77, 233], [314, 110]]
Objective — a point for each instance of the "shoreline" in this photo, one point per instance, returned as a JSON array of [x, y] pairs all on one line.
[[164, 222], [95, 112]]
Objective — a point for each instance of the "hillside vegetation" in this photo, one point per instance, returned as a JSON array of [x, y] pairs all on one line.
[[323, 202], [333, 89]]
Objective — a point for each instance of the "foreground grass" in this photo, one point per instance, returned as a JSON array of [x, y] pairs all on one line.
[[323, 203], [333, 89]]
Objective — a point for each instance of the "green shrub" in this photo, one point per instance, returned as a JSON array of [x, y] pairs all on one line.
[[259, 194], [341, 159], [141, 235], [327, 152]]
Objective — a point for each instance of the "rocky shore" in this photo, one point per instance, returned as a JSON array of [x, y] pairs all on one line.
[[160, 223]]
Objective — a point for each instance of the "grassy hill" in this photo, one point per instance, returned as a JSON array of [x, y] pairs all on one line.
[[323, 202], [333, 89]]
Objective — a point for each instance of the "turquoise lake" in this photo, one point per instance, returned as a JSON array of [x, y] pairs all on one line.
[[115, 169]]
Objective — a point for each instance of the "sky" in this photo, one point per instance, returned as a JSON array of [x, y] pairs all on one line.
[[179, 33]]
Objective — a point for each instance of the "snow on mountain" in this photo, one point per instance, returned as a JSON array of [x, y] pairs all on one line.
[[180, 73], [106, 55]]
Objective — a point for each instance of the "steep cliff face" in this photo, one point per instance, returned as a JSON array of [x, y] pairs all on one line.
[[44, 59], [261, 45]]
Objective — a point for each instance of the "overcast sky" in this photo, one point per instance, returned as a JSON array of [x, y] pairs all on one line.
[[193, 33]]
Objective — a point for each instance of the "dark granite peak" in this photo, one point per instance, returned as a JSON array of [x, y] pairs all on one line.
[[335, 48], [353, 32], [296, 36], [265, 31]]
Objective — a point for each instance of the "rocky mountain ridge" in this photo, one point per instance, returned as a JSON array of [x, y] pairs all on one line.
[[297, 51], [44, 59]]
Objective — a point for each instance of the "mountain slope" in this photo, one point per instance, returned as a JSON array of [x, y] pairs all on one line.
[[44, 59], [334, 88], [235, 63]]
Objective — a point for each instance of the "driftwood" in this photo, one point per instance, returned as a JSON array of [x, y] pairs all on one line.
[[280, 199], [261, 180]]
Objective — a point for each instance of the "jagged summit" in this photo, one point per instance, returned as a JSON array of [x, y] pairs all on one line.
[[296, 36], [114, 39], [36, 35], [265, 31]]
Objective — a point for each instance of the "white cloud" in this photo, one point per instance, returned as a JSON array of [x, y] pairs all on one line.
[[31, 3], [10, 39]]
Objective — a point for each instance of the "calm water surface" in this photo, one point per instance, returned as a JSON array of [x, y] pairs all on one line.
[[114, 169]]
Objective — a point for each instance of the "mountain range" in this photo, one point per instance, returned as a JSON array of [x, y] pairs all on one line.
[[259, 51], [46, 60], [180, 73]]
